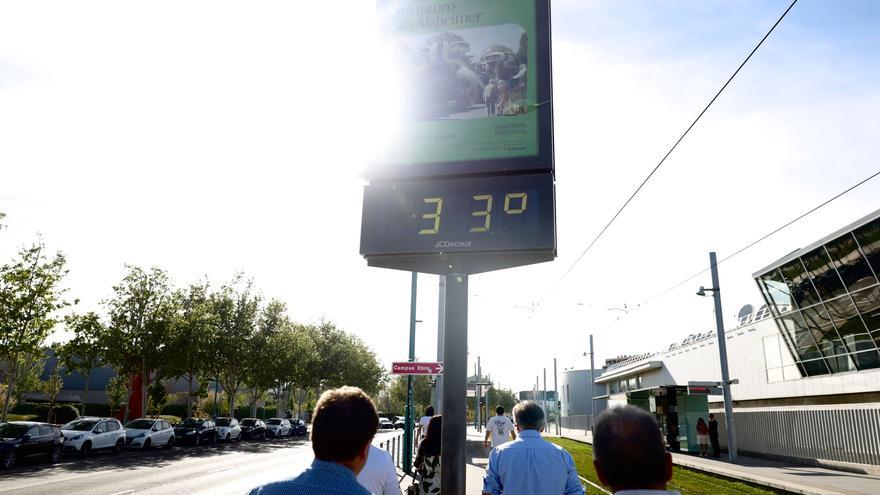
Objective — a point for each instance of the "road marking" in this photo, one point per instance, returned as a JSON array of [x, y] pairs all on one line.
[[123, 492]]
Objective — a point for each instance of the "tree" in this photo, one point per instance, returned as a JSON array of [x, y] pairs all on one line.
[[235, 310], [83, 352], [157, 397], [52, 387], [30, 294], [193, 327], [266, 353], [118, 392], [344, 359], [421, 393], [141, 318]]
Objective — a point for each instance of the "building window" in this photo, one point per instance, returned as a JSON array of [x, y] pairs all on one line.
[[826, 304]]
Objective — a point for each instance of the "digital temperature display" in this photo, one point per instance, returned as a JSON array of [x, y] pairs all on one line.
[[482, 214]]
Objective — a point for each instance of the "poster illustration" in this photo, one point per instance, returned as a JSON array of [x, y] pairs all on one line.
[[466, 80]]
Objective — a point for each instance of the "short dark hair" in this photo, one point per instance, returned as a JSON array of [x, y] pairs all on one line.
[[429, 411], [628, 444], [344, 421], [499, 410], [529, 415]]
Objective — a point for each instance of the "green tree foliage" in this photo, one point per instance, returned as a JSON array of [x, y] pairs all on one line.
[[344, 359], [266, 353], [84, 351], [193, 330], [141, 320], [235, 309], [118, 393], [52, 387], [422, 393], [30, 294], [157, 397]]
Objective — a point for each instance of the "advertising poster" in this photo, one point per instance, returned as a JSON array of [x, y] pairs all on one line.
[[467, 80]]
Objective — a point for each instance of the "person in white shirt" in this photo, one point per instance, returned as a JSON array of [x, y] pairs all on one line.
[[423, 423], [379, 475], [500, 428]]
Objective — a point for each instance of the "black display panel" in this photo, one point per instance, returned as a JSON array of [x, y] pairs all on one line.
[[456, 216]]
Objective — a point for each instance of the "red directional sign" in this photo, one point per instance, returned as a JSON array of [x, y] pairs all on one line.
[[408, 368]]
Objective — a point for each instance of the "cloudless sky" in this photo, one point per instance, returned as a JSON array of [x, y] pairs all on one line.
[[213, 137]]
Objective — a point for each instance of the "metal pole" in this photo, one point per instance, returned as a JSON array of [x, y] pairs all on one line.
[[408, 421], [722, 351], [592, 386], [441, 332], [454, 433], [544, 396], [556, 397], [479, 391]]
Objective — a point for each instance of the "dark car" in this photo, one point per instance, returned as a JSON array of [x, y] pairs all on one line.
[[297, 428], [20, 439], [253, 429], [196, 431]]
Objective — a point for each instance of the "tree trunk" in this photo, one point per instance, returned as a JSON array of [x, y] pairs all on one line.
[[10, 388], [86, 392], [231, 404], [253, 409], [143, 388], [128, 390], [189, 395]]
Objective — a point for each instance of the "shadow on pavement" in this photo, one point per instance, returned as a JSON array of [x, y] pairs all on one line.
[[76, 463]]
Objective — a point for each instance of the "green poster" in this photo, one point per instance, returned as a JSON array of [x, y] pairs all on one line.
[[467, 80]]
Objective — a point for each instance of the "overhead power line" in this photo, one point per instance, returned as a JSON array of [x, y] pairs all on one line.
[[674, 146]]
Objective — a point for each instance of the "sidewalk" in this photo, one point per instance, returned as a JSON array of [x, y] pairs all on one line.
[[790, 477], [477, 459]]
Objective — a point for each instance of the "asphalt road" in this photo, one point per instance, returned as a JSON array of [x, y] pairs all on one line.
[[217, 469]]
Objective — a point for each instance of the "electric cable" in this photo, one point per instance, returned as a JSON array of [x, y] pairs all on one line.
[[674, 146]]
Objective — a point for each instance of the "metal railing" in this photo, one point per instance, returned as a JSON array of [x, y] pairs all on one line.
[[393, 444]]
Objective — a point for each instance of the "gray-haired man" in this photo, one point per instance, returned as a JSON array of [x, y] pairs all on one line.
[[530, 465], [628, 452]]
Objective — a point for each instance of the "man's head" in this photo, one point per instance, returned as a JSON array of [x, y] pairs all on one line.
[[711, 416], [429, 411], [499, 411], [528, 416], [628, 450], [343, 425]]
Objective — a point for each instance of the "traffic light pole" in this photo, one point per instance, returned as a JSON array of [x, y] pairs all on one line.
[[452, 438], [408, 421]]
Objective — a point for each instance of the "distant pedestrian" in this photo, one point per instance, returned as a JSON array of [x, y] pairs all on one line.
[[500, 428], [530, 465], [343, 426], [379, 475], [427, 461], [490, 97], [423, 423], [628, 452], [703, 437], [713, 436]]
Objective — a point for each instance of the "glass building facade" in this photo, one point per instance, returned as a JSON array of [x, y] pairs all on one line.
[[825, 300]]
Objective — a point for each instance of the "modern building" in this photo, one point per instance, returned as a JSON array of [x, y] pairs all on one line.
[[576, 392], [807, 361]]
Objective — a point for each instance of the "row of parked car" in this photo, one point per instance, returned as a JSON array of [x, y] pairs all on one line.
[[83, 435]]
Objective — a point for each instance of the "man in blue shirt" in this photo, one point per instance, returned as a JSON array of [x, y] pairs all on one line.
[[530, 465], [343, 426]]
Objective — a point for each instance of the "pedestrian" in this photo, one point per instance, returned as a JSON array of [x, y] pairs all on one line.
[[503, 98], [427, 461], [490, 97], [343, 426], [379, 475], [713, 436], [500, 428], [628, 452], [530, 465], [703, 437], [423, 423]]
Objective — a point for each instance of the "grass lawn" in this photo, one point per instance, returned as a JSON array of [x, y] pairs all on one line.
[[21, 417], [684, 480]]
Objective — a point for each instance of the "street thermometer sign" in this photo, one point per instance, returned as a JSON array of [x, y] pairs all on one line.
[[410, 368], [466, 184]]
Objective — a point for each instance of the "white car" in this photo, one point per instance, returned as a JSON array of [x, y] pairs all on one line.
[[145, 433], [86, 434], [228, 429], [277, 427]]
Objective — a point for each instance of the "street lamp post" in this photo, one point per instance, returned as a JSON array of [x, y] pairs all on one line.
[[722, 351]]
